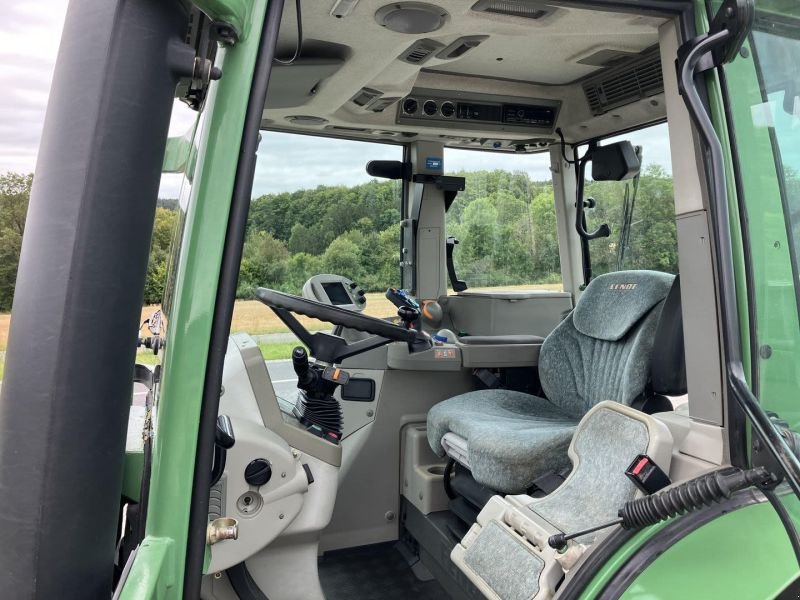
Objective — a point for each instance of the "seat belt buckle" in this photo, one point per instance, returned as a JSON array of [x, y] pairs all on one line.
[[647, 475]]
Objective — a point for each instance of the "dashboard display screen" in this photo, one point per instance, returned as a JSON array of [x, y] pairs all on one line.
[[337, 293]]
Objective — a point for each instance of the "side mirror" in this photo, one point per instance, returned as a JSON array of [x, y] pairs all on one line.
[[615, 162], [388, 169]]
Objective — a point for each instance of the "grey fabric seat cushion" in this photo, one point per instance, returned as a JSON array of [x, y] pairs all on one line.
[[604, 446], [512, 437]]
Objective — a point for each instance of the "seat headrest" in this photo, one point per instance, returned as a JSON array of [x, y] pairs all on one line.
[[613, 303], [668, 366]]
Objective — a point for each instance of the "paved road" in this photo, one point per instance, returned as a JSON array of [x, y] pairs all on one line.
[[283, 379]]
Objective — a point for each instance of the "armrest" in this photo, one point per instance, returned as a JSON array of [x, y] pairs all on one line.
[[500, 354], [499, 340]]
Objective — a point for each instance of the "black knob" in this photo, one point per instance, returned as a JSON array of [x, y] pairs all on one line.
[[408, 315], [258, 472], [410, 106]]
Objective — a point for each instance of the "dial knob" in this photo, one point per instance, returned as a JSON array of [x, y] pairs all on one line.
[[430, 107], [447, 110], [258, 472]]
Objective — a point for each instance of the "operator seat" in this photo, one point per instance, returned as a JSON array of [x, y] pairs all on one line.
[[601, 351]]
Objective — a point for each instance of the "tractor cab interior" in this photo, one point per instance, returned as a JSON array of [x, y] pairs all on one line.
[[539, 362]]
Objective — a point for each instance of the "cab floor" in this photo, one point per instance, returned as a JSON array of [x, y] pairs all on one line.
[[377, 571]]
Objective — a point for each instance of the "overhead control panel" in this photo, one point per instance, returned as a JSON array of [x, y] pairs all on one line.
[[458, 110]]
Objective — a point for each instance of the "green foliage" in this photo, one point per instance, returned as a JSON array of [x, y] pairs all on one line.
[[15, 191], [506, 226], [505, 222], [653, 238], [163, 230], [265, 263]]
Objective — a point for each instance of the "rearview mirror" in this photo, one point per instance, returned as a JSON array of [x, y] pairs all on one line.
[[615, 162], [388, 169]]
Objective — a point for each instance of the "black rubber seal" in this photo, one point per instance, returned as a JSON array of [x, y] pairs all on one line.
[[223, 309], [243, 584]]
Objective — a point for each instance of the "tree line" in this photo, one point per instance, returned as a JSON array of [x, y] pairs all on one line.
[[505, 222]]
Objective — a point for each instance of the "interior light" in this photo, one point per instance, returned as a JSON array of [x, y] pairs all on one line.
[[412, 17]]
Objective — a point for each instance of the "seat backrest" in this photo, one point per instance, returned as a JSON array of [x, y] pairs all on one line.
[[604, 349]]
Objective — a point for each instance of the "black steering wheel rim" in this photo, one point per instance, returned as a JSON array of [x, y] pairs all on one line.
[[334, 314], [332, 348]]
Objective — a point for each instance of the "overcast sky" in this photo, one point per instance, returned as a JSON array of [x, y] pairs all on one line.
[[29, 36]]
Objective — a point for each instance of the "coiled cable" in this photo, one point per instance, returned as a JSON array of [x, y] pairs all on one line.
[[692, 495], [687, 497]]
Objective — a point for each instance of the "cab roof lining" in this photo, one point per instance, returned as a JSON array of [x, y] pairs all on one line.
[[366, 55]]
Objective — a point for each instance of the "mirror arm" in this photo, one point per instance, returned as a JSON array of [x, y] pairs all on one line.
[[580, 219]]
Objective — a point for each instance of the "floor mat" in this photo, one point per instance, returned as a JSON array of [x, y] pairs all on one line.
[[378, 571]]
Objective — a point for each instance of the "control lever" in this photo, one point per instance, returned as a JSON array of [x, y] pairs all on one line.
[[223, 441], [316, 408], [306, 377]]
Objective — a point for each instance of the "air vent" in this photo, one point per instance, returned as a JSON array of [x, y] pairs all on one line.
[[346, 129], [365, 96], [461, 46], [306, 120], [420, 51], [514, 8], [625, 83], [382, 104], [606, 58], [343, 8]]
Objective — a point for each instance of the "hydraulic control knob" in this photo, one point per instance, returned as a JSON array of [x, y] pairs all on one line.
[[305, 375], [258, 472]]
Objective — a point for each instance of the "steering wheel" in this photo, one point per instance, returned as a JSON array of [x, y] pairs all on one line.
[[332, 348]]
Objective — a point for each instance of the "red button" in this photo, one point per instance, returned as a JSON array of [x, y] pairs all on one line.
[[640, 465]]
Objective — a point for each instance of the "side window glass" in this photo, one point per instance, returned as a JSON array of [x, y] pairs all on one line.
[[505, 221], [639, 211]]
